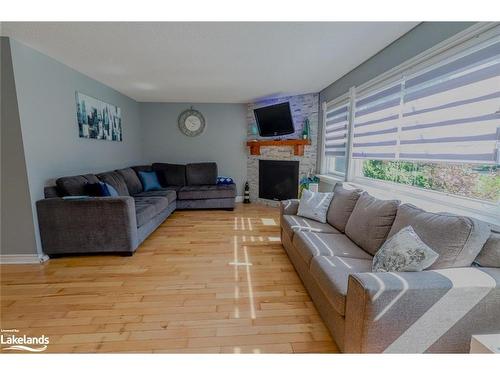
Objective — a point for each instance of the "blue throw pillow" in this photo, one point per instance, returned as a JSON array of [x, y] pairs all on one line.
[[108, 190], [149, 181], [222, 180]]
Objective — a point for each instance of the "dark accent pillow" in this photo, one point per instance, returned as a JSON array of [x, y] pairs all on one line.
[[201, 173], [149, 181], [94, 190], [170, 174]]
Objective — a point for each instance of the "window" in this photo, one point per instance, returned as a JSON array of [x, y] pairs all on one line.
[[426, 132], [335, 138], [436, 129], [475, 181]]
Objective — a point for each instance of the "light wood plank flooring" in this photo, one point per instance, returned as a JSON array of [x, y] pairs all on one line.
[[204, 282]]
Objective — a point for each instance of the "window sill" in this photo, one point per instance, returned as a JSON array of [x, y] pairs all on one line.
[[330, 178], [431, 200]]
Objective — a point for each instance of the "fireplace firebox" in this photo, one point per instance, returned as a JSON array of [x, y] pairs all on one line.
[[278, 179]]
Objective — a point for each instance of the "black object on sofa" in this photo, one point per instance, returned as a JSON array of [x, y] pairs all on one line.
[[121, 224]]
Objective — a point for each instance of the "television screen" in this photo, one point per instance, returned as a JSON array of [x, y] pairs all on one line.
[[274, 120]]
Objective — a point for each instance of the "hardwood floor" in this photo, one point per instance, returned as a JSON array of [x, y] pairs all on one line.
[[204, 282]]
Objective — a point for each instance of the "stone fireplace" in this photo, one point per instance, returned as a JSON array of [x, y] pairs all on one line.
[[302, 107]]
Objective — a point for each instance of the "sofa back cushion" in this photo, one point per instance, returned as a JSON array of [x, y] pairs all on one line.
[[116, 180], [143, 168], [133, 183], [201, 174], [342, 205], [489, 256], [75, 185], [457, 239], [371, 221], [170, 174]]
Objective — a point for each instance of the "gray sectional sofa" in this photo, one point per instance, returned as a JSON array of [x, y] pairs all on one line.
[[436, 310], [120, 224]]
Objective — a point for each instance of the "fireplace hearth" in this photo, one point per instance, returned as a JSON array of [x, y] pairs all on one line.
[[278, 179]]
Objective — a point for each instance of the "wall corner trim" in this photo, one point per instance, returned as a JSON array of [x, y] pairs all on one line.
[[22, 259]]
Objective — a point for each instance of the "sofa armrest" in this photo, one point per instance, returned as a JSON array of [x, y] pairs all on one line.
[[289, 207], [414, 312], [103, 224]]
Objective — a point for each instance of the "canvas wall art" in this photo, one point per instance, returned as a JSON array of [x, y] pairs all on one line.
[[98, 119]]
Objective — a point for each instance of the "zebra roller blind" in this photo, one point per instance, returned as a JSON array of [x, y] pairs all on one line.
[[336, 128], [449, 112]]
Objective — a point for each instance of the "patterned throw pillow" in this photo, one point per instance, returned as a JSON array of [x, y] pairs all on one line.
[[404, 252], [222, 180], [314, 205]]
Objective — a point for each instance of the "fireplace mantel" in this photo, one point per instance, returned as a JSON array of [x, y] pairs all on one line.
[[297, 144]]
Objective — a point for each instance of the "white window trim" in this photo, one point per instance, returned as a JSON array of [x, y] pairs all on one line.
[[426, 199], [322, 159]]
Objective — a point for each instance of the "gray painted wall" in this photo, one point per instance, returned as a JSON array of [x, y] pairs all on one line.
[[222, 141], [46, 99], [417, 40], [17, 228]]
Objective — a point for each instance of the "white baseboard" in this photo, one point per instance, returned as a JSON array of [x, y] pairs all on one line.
[[21, 259], [238, 199]]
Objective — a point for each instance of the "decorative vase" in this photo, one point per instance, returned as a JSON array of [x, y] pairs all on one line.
[[305, 129]]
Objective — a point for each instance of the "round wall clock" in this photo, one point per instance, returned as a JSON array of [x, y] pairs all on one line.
[[191, 122]]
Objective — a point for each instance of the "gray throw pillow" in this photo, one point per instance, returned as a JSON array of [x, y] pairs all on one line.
[[314, 205], [404, 252]]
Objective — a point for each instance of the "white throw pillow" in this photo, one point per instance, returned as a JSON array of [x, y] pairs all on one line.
[[404, 252], [314, 205]]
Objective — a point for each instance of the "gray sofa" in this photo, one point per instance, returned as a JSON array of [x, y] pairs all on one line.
[[121, 224], [436, 310]]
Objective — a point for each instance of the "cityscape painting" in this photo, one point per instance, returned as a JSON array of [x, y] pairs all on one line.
[[97, 119]]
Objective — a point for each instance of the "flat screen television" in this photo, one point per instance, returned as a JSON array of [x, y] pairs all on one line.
[[274, 120]]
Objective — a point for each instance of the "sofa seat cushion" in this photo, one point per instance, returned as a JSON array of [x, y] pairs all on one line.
[[310, 245], [133, 183], [75, 185], [342, 205], [457, 239], [332, 276], [116, 180], [370, 222], [207, 192], [201, 174], [148, 207], [294, 223], [144, 213], [171, 195]]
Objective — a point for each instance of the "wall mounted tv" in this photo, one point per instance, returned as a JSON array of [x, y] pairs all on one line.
[[274, 120]]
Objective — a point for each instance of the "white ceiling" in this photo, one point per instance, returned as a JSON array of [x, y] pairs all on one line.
[[210, 62]]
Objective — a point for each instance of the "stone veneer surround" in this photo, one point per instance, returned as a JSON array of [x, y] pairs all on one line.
[[302, 107]]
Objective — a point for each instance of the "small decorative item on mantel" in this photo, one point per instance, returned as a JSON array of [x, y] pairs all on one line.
[[254, 132], [305, 129], [310, 183]]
